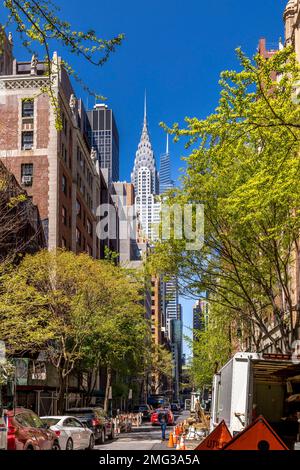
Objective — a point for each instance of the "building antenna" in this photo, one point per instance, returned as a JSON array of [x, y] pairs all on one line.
[[145, 107]]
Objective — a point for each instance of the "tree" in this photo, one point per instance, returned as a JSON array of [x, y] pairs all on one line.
[[70, 306], [39, 26], [212, 348], [18, 232], [160, 366], [245, 172]]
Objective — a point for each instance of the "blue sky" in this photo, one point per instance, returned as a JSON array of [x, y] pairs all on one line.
[[176, 50]]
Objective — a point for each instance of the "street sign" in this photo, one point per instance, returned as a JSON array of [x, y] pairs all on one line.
[[217, 439], [257, 436]]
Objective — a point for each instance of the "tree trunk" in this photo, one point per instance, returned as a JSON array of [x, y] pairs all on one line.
[[108, 384], [61, 394]]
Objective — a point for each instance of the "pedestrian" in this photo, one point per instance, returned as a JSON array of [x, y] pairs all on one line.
[[162, 418]]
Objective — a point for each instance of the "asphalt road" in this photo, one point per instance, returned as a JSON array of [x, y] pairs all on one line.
[[146, 437]]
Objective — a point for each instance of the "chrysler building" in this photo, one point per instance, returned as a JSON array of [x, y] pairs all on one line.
[[145, 180]]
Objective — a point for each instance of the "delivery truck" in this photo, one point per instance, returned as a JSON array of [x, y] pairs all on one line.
[[252, 384]]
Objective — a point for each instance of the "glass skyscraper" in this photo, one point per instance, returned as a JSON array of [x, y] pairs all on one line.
[[165, 179], [104, 137]]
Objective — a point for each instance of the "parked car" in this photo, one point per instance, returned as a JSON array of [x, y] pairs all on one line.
[[96, 420], [145, 409], [168, 413], [71, 433], [26, 431], [175, 407]]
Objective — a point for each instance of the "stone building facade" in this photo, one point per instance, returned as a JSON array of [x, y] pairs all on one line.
[[6, 53], [57, 167]]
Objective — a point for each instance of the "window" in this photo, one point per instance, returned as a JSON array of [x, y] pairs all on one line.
[[27, 174], [78, 236], [27, 108], [64, 215], [37, 422], [27, 140], [64, 184], [64, 123], [72, 423]]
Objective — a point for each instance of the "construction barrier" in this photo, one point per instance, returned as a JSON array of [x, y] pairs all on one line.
[[257, 436], [125, 422], [171, 441], [217, 439]]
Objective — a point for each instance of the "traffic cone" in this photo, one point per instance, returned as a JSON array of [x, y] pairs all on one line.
[[182, 445], [177, 431], [171, 441]]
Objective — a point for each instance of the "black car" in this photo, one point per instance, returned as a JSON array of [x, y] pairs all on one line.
[[175, 407], [145, 409], [96, 420]]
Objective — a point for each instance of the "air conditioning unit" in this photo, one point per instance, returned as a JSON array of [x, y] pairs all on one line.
[[27, 147], [27, 180]]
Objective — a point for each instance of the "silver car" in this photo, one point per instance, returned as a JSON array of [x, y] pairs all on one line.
[[72, 434]]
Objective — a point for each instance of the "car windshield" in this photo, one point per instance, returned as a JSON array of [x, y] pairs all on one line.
[[50, 421]]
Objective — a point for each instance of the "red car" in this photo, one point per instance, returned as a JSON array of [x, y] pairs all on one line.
[[170, 417], [26, 431]]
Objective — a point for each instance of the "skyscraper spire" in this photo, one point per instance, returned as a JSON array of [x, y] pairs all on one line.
[[144, 157], [145, 108], [145, 123]]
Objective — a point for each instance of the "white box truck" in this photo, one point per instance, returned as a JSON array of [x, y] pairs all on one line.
[[253, 384]]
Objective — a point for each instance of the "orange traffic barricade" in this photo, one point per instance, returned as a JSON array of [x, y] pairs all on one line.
[[217, 439], [257, 436]]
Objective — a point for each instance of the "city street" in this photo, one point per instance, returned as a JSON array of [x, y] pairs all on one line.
[[146, 437]]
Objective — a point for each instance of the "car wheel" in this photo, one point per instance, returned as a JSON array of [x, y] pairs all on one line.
[[55, 446], [30, 448], [69, 445], [92, 442]]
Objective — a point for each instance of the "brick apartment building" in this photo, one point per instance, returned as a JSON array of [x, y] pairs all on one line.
[[57, 168], [21, 229]]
